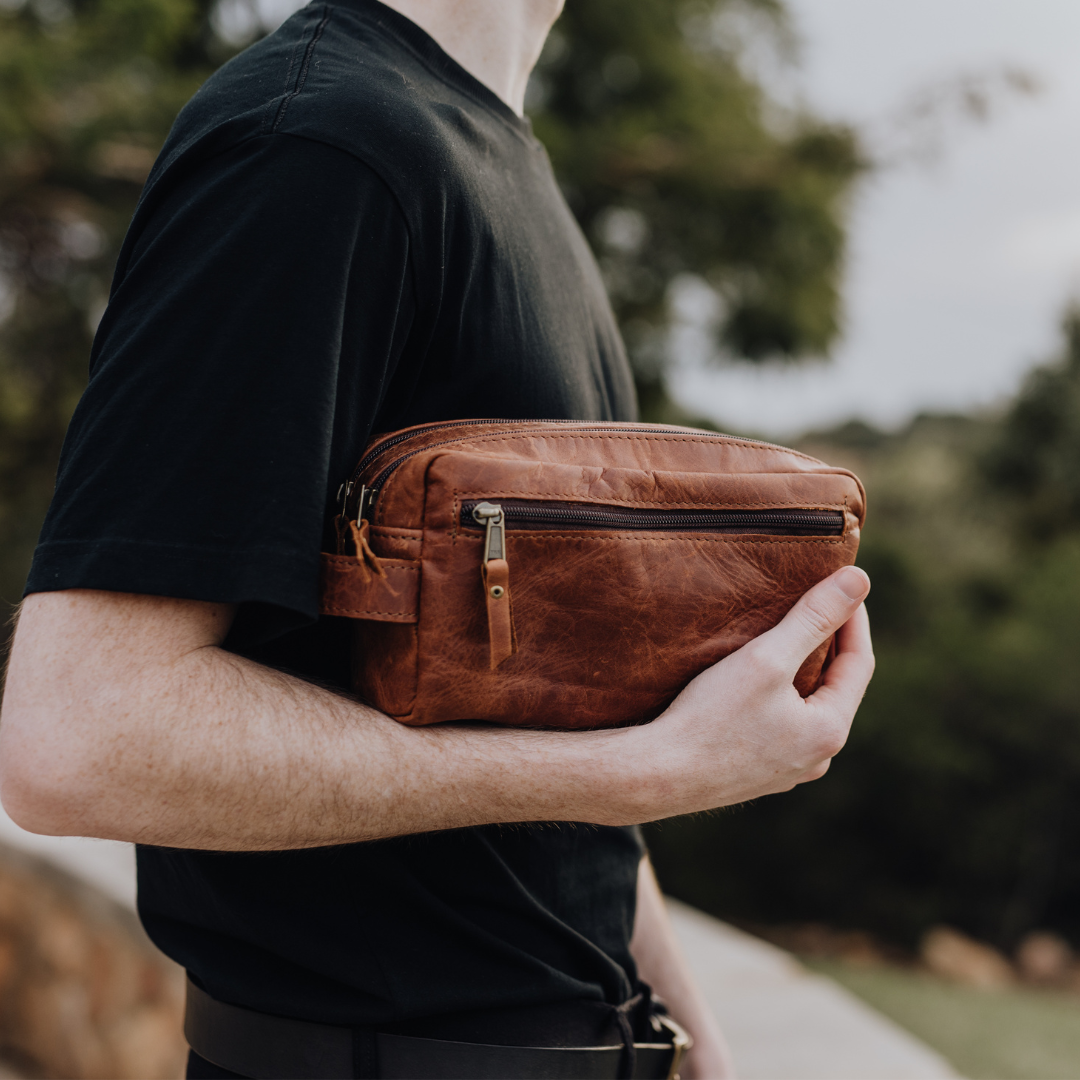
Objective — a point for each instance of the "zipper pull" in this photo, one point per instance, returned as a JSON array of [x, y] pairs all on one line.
[[492, 516], [495, 575], [365, 504]]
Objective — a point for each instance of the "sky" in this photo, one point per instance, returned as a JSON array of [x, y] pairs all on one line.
[[959, 267]]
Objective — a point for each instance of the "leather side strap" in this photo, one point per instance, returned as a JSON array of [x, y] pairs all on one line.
[[348, 587], [496, 576]]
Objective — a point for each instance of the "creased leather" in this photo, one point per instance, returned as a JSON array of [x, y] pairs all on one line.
[[348, 587], [610, 625]]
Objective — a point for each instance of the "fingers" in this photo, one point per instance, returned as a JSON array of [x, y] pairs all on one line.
[[817, 615], [846, 678]]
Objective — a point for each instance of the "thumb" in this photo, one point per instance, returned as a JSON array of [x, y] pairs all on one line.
[[817, 615]]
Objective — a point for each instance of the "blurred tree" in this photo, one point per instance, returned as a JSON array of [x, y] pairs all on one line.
[[677, 161], [957, 798], [88, 90], [1036, 459]]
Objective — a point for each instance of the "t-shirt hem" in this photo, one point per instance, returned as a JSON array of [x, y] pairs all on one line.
[[188, 572]]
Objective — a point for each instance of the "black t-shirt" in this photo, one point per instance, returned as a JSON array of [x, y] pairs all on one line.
[[345, 233]]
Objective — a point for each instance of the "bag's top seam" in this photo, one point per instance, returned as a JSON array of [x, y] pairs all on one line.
[[672, 436]]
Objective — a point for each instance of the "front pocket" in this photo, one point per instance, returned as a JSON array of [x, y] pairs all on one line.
[[497, 518]]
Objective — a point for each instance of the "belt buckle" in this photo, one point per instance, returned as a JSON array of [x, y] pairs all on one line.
[[680, 1043]]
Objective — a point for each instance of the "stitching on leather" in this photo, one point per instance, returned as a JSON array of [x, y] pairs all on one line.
[[356, 611], [399, 532], [350, 561], [626, 436]]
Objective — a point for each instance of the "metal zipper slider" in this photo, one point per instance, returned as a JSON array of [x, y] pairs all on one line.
[[491, 516], [495, 575], [364, 503]]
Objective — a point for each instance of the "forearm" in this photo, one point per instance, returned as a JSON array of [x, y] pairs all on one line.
[[210, 750], [123, 717], [662, 964]]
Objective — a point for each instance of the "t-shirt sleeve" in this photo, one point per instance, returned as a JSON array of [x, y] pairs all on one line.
[[256, 320]]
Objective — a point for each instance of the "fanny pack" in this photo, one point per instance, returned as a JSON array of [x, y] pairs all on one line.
[[571, 574]]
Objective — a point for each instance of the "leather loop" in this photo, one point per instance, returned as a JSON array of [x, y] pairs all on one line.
[[496, 577], [349, 587]]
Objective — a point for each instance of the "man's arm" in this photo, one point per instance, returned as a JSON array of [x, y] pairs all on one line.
[[124, 718], [663, 966]]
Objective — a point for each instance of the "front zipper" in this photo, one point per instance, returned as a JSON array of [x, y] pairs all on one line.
[[496, 518], [365, 501], [529, 514]]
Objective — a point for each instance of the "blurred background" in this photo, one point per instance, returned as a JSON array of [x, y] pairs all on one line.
[[849, 225]]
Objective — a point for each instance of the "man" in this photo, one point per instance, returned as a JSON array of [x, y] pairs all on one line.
[[350, 230]]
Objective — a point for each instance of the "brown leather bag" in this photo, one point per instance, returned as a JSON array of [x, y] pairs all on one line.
[[573, 575]]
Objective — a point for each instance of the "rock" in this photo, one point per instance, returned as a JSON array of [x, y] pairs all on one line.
[[83, 992], [819, 942], [953, 955], [1043, 957]]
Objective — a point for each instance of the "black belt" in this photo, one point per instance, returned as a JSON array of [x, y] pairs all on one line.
[[268, 1047]]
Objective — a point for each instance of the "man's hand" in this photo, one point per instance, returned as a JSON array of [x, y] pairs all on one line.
[[740, 729], [124, 718]]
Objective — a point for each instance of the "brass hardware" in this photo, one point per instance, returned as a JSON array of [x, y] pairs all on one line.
[[680, 1043], [364, 503], [497, 592], [491, 516]]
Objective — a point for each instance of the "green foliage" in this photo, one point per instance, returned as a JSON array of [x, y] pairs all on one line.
[[87, 93], [1018, 1033], [1037, 458], [677, 161]]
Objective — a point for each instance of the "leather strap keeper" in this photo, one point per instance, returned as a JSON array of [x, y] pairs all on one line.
[[350, 589]]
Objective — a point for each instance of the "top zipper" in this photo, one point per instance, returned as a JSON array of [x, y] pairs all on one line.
[[347, 488], [367, 494]]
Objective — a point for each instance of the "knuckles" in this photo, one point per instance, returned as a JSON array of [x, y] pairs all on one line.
[[818, 622], [829, 740]]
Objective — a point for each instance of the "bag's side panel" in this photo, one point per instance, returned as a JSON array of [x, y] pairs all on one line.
[[610, 625]]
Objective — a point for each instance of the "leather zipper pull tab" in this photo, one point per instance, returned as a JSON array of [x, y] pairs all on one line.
[[495, 575]]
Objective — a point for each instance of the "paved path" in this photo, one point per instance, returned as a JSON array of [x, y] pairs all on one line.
[[783, 1022]]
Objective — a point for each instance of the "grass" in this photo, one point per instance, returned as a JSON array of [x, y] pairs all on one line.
[[1014, 1034]]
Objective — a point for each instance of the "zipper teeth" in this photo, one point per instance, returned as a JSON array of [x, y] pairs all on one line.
[[377, 483], [654, 518], [368, 458]]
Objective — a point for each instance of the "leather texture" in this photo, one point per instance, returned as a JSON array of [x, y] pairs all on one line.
[[606, 626]]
